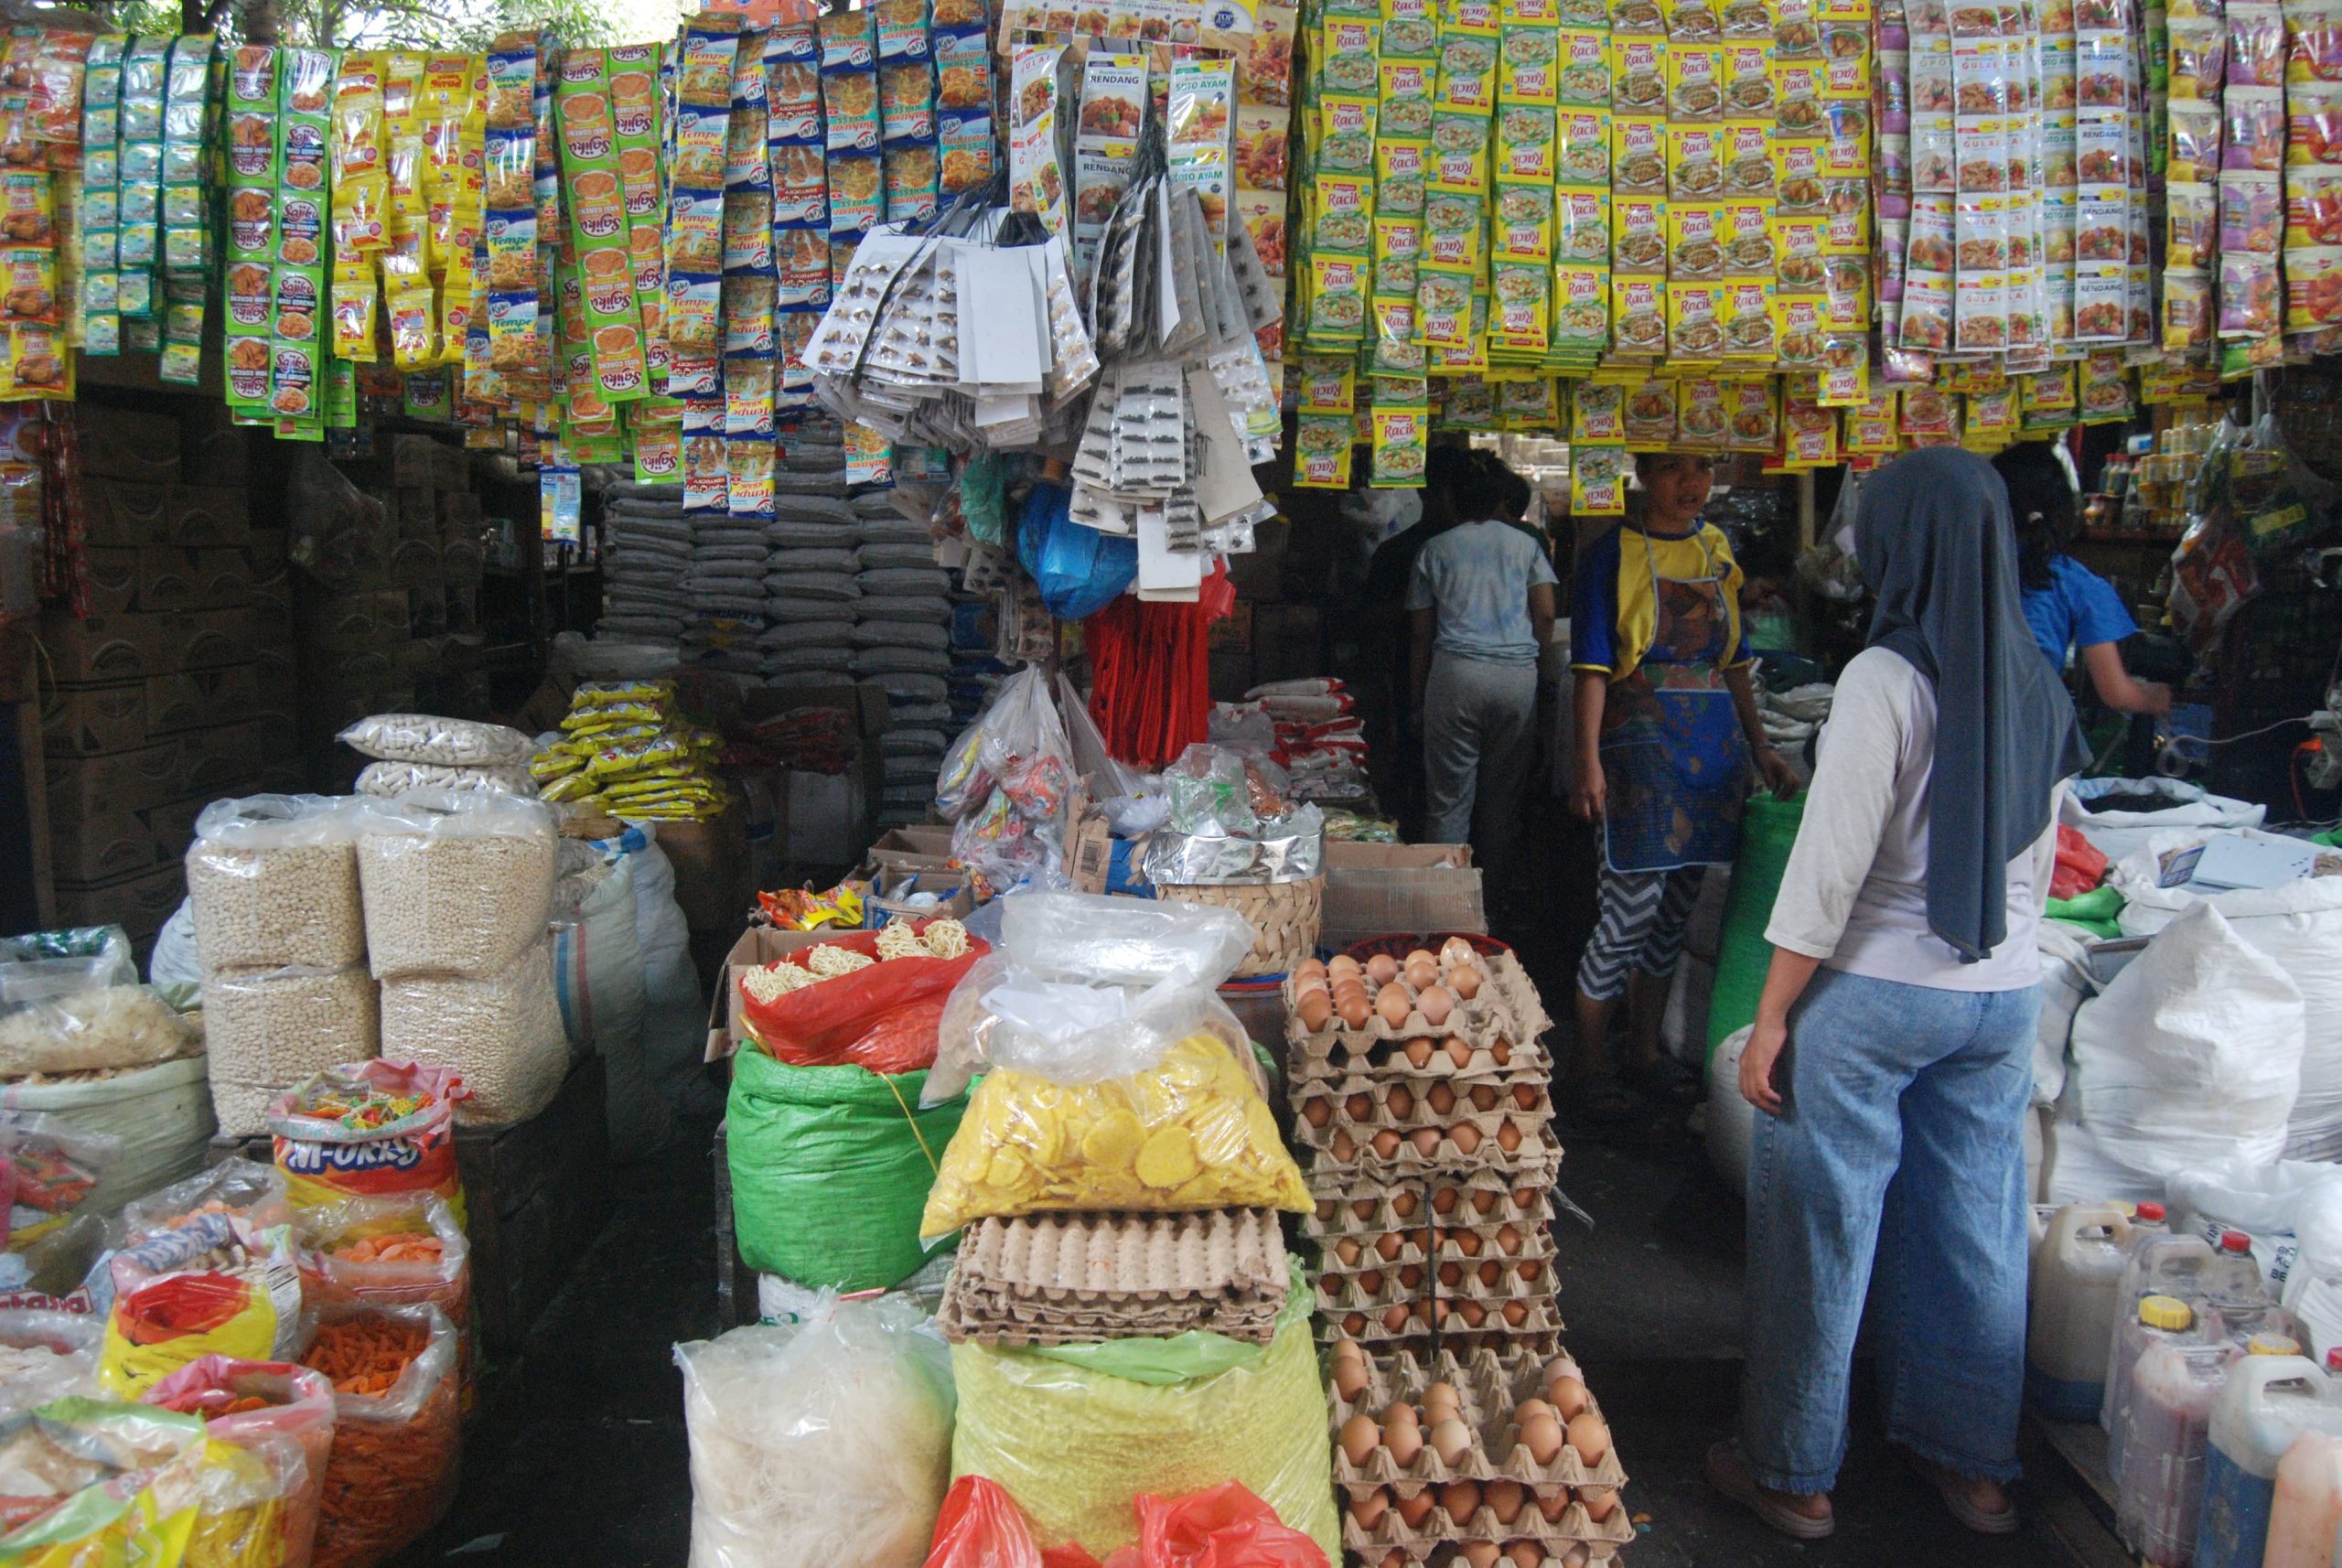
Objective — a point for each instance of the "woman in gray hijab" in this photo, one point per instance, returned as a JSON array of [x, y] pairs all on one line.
[[1893, 1049]]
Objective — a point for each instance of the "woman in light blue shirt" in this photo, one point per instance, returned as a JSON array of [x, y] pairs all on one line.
[[2065, 603]]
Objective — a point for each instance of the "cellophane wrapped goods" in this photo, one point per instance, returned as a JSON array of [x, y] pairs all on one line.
[[388, 1252], [272, 880], [397, 1430], [821, 1443], [369, 1130], [45, 1356], [257, 1405], [454, 881], [501, 1034], [1078, 1433]]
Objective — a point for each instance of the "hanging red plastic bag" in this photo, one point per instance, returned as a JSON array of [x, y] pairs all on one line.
[[1225, 1527], [880, 1014], [2082, 865], [979, 1527]]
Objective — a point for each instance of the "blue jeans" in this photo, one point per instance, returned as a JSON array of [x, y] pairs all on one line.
[[1904, 1115]]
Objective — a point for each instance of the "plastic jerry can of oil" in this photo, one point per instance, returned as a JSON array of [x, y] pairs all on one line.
[[2305, 1514], [2161, 1495], [2153, 1320], [2273, 1396], [2077, 1270]]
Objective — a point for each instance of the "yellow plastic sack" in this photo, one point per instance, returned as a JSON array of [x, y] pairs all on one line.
[[1189, 1133], [164, 1324], [140, 1516], [1074, 1444]]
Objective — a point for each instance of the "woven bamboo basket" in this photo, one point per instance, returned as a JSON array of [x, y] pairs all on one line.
[[1287, 915]]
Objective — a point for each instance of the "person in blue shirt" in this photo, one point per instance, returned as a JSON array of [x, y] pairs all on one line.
[[2068, 607]]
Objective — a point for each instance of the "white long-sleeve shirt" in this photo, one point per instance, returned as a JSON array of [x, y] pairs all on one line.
[[1855, 892]]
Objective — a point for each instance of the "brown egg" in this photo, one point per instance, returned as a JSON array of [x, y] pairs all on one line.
[[1315, 1112], [1398, 1102], [1504, 1499], [1393, 1002], [1590, 1436], [1386, 1143], [1451, 1275], [1442, 1099], [1542, 1435], [1418, 1053], [1466, 1137], [1364, 1207], [1327, 1209], [1461, 1500], [1369, 1507], [1359, 1106], [1387, 1246], [1349, 1349], [1577, 1556], [1415, 1507], [1403, 1438], [1382, 969], [1358, 1437], [1341, 1146], [1502, 1053], [1341, 964], [1467, 1242], [1411, 1276], [1354, 1323], [1370, 1282], [1347, 986], [1516, 1312], [1485, 1202], [1405, 1204], [1420, 974], [1525, 1197], [1346, 1249], [1491, 1273], [1455, 951], [1435, 1004], [1349, 1380], [1440, 1399], [1478, 1554], [1354, 1011], [1451, 1440], [1444, 1200], [1552, 1506], [1524, 1095], [1314, 1009], [1472, 1313], [1424, 954], [1465, 980], [1484, 1097], [1426, 1141], [1525, 1554], [1508, 1136], [1508, 1240], [1315, 985], [1309, 969], [1458, 1053], [1598, 1502], [1568, 1394]]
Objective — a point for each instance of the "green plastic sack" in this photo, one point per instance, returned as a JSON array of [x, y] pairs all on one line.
[[1078, 1433], [2096, 911], [1768, 832], [830, 1169]]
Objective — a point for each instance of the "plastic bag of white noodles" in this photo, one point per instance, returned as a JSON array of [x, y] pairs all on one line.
[[273, 880], [502, 1034], [426, 737], [454, 881], [819, 1443], [386, 780]]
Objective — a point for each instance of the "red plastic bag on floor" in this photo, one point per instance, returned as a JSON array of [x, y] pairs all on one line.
[[979, 1526], [2082, 865], [882, 1017], [1226, 1527]]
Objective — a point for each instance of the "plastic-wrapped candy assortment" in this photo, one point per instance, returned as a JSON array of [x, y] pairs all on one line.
[[1005, 784]]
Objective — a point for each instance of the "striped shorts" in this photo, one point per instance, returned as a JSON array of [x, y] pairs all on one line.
[[1640, 927]]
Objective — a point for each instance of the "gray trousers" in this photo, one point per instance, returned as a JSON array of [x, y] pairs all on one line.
[[1479, 735]]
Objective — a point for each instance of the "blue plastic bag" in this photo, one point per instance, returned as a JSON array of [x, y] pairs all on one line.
[[1080, 571]]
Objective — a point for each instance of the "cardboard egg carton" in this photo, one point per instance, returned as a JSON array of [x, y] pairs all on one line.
[[1443, 1553], [1346, 1142], [1556, 1535], [1336, 1054], [1371, 1328], [1489, 1386], [1465, 1244], [1406, 1103], [1371, 1289], [1487, 1200], [1469, 1323], [1065, 1278], [1536, 1160]]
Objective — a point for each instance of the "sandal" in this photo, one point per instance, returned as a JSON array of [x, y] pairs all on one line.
[[1952, 1488], [1664, 1077], [1728, 1474], [1602, 1099]]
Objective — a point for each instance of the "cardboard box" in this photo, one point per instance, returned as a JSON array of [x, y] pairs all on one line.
[[451, 470], [713, 881], [124, 444], [119, 844], [86, 721], [125, 512], [890, 891], [139, 903], [209, 515], [136, 646], [757, 945], [1233, 633], [912, 849], [82, 788], [1373, 890], [212, 451], [169, 577], [413, 460]]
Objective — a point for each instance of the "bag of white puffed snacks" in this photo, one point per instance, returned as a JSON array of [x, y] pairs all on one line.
[[427, 738]]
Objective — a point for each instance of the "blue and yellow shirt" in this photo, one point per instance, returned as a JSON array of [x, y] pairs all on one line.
[[1613, 610]]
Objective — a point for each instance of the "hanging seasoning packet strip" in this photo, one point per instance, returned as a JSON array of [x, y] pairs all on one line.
[[598, 232], [139, 156], [102, 193], [186, 211], [694, 234], [509, 165], [247, 279], [306, 86]]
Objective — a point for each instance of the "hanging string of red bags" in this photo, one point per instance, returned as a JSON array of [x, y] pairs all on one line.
[[1151, 699]]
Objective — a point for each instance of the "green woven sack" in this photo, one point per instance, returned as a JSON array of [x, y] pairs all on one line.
[[830, 1169], [1767, 831]]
